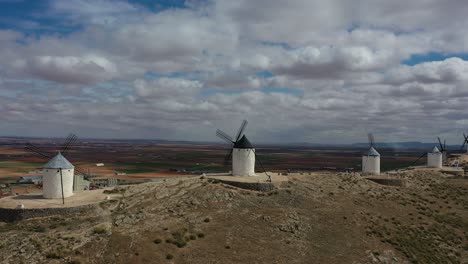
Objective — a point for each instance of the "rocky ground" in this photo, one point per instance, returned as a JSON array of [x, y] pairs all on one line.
[[319, 218]]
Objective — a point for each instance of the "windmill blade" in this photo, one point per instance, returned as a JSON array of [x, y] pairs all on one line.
[[371, 139], [241, 129], [68, 142], [414, 162], [465, 141], [228, 158], [67, 139], [224, 136], [34, 149], [261, 165], [440, 144]]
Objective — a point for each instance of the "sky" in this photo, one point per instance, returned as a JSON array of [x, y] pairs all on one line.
[[298, 70]]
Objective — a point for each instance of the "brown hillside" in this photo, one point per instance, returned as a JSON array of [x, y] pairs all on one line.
[[320, 218]]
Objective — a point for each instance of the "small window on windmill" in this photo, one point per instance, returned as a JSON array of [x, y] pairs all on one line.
[[58, 170]]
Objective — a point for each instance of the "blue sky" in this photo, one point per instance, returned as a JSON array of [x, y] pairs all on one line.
[[432, 56], [310, 71], [35, 17]]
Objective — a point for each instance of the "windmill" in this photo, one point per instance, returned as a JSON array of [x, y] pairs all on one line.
[[242, 152], [465, 142], [434, 158], [58, 172], [443, 150], [371, 159]]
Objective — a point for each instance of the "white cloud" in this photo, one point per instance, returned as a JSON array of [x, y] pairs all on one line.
[[342, 58], [331, 62], [448, 71], [167, 87], [69, 69]]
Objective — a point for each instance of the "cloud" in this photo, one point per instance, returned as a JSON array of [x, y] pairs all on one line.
[[69, 69], [167, 88], [219, 61], [330, 62], [448, 71]]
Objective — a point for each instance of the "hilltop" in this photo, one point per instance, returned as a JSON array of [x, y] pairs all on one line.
[[317, 218]]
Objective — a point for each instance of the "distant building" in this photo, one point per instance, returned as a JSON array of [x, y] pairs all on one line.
[[36, 171], [99, 164], [104, 182], [30, 179], [80, 184]]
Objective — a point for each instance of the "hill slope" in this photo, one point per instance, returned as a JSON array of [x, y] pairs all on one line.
[[320, 218]]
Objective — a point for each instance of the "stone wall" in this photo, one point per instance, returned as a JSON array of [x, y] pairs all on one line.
[[12, 215], [256, 186]]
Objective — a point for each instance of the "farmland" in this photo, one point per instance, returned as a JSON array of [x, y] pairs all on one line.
[[147, 159]]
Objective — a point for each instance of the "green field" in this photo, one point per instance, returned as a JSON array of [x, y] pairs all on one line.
[[20, 166]]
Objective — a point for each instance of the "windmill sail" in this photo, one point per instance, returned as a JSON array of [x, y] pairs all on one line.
[[465, 142], [241, 130], [370, 137], [228, 139]]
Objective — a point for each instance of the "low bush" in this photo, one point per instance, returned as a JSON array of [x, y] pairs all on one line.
[[99, 231]]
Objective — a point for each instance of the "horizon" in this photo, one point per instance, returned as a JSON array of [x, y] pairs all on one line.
[[399, 144], [309, 71]]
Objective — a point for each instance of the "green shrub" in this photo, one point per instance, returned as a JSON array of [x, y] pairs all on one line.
[[53, 255], [39, 229], [179, 238], [99, 231], [180, 244]]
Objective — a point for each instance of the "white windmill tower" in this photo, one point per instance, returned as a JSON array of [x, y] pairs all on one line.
[[58, 172], [371, 159], [242, 152], [57, 179], [434, 158]]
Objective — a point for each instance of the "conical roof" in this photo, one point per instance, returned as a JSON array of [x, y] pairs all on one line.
[[435, 150], [243, 143], [58, 162], [372, 152]]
